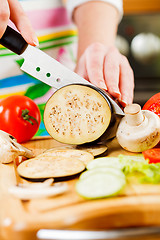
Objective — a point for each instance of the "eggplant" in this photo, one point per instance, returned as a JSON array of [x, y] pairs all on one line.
[[97, 150], [81, 155], [77, 114], [58, 168]]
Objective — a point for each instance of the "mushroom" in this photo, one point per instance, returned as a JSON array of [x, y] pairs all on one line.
[[10, 149], [138, 130], [38, 190]]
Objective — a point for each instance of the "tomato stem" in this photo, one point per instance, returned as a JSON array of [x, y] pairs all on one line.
[[27, 117]]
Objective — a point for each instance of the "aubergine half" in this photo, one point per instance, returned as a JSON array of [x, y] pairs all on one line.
[[78, 114]]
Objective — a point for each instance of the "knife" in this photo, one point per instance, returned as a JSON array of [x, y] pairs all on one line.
[[43, 67], [149, 232]]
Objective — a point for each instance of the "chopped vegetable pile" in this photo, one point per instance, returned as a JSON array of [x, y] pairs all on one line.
[[106, 176]]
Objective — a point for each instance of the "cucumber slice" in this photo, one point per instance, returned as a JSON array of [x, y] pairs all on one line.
[[105, 162], [115, 171], [83, 156], [100, 185]]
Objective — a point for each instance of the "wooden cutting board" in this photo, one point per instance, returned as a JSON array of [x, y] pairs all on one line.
[[137, 205]]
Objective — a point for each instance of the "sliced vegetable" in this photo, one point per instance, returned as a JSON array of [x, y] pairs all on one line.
[[42, 168], [100, 185], [139, 130], [109, 169], [83, 156], [26, 193], [153, 104], [105, 162], [96, 150], [77, 114], [152, 155], [20, 117]]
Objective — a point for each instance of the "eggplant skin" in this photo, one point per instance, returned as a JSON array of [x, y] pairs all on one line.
[[77, 114], [56, 179], [97, 150]]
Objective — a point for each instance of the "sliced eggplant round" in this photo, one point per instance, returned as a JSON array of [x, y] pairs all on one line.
[[77, 114], [42, 168], [76, 154], [95, 149]]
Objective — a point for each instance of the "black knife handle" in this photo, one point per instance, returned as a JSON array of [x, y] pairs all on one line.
[[13, 40]]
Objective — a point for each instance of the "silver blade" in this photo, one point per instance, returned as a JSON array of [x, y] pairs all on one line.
[[129, 233], [43, 67]]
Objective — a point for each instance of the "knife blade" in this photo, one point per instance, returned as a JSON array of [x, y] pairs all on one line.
[[149, 232], [43, 67]]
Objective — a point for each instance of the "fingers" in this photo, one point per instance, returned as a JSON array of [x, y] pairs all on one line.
[[126, 82], [81, 68], [94, 64], [111, 72], [108, 70], [18, 16], [4, 16], [119, 77]]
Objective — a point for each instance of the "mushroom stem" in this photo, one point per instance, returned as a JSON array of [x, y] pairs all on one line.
[[138, 130], [23, 151], [133, 114], [10, 149]]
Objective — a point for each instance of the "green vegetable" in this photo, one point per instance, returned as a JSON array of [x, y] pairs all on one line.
[[99, 185], [106, 176], [132, 164]]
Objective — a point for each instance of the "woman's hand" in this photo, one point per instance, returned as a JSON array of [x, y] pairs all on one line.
[[109, 70], [12, 9]]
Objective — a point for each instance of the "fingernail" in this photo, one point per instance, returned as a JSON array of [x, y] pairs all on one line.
[[102, 85], [123, 101], [117, 93], [36, 42]]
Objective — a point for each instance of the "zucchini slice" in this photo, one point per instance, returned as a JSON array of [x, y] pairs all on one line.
[[100, 185], [115, 171], [83, 156], [42, 168], [105, 162], [77, 114]]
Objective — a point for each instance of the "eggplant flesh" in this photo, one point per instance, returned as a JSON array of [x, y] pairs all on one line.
[[77, 114], [81, 155]]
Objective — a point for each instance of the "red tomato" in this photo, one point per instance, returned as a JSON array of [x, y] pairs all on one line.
[[20, 117], [153, 155], [153, 104]]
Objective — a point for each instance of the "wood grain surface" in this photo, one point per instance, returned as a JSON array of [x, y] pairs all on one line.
[[137, 205]]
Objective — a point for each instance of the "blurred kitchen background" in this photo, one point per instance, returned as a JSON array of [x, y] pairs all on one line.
[[139, 39]]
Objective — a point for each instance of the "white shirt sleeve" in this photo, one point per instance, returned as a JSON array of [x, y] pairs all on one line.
[[118, 4]]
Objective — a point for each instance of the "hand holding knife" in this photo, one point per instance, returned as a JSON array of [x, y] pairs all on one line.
[[43, 67]]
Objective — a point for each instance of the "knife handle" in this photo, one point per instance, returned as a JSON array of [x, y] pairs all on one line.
[[13, 40]]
